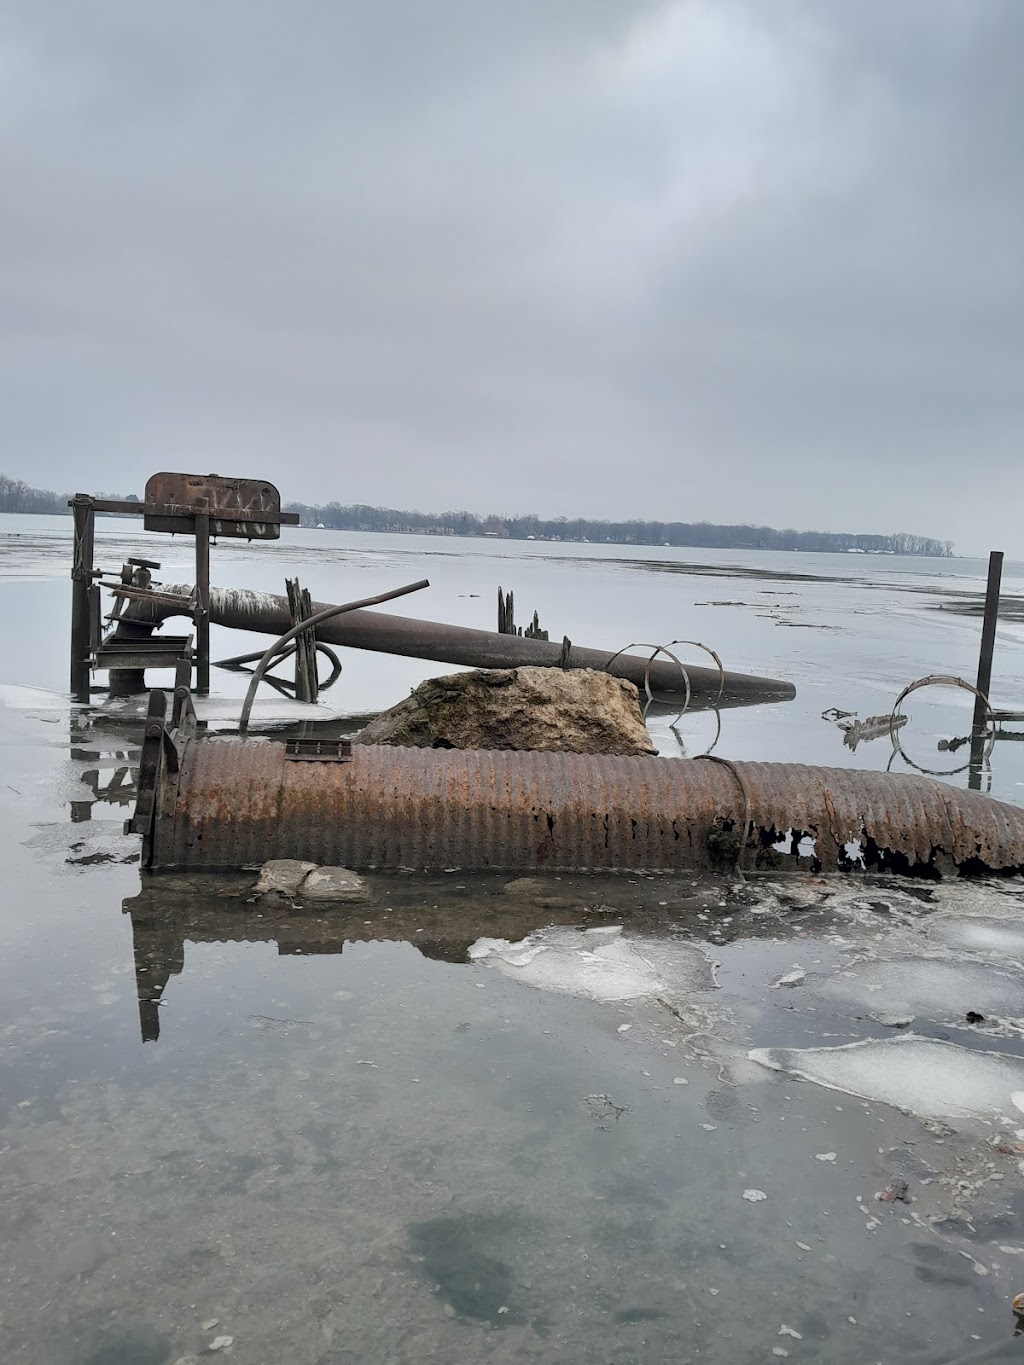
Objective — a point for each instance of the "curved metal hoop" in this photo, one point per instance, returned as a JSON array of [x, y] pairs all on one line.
[[941, 680]]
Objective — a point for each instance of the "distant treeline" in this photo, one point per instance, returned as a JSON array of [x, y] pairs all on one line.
[[17, 496], [699, 534]]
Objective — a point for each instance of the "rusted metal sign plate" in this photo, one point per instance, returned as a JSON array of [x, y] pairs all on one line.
[[246, 509]]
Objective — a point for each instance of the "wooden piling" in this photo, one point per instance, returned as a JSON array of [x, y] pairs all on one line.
[[83, 511], [300, 607], [202, 611]]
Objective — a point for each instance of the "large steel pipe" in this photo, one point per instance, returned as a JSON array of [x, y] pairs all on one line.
[[234, 804], [240, 609]]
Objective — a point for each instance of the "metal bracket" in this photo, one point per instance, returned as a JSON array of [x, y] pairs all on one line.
[[318, 750], [163, 749]]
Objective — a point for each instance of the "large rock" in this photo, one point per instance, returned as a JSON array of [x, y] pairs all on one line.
[[575, 711]]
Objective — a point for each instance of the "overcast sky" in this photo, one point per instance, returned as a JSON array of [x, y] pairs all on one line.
[[735, 260]]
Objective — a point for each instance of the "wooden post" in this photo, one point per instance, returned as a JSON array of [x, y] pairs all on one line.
[[202, 616], [84, 515], [308, 642], [300, 607], [984, 684]]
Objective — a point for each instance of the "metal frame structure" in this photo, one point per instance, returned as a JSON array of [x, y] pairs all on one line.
[[201, 505]]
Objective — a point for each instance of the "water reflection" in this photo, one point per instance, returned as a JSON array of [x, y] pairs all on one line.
[[440, 919], [114, 753]]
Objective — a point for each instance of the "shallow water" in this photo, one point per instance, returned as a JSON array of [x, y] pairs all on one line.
[[345, 1136]]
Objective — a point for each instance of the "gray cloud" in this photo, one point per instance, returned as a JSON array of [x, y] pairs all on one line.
[[738, 259]]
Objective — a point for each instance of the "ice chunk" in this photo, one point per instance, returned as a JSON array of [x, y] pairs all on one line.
[[599, 964], [982, 934], [921, 1075], [933, 987], [891, 1018], [791, 978]]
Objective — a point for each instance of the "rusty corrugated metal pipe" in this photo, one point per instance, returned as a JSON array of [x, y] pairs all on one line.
[[234, 804]]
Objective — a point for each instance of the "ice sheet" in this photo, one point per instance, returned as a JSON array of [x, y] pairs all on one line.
[[921, 1075], [599, 964], [934, 987]]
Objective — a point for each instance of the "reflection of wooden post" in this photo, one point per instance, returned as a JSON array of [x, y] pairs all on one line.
[[988, 644], [84, 514], [202, 616]]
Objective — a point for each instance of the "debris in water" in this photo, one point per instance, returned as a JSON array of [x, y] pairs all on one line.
[[210, 1324], [283, 876], [973, 1017], [219, 1343], [785, 1331], [680, 1080], [604, 1109], [825, 1156], [791, 978], [891, 1019], [333, 884], [897, 1191], [922, 1076], [754, 1196]]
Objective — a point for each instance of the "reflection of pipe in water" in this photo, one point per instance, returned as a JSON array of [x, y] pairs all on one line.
[[170, 911]]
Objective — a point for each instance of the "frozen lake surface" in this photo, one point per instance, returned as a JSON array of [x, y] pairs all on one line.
[[616, 1120]]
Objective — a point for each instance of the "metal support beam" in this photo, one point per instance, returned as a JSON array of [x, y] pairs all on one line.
[[83, 511], [202, 611], [988, 644]]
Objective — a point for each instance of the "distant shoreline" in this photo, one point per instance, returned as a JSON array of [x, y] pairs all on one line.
[[674, 535], [18, 498]]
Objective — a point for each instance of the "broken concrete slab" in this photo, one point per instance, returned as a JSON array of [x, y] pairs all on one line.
[[333, 884], [283, 875], [542, 709]]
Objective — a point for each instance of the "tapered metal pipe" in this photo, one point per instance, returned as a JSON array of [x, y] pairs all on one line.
[[241, 609]]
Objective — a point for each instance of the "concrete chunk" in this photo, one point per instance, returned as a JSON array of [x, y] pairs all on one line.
[[541, 709], [333, 884], [283, 875]]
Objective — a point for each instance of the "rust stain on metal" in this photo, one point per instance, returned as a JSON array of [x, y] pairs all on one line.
[[236, 804]]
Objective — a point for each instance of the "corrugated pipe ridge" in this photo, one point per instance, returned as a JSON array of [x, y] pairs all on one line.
[[236, 804]]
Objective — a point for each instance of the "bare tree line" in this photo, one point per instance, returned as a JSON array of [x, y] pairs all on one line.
[[18, 496], [701, 534]]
